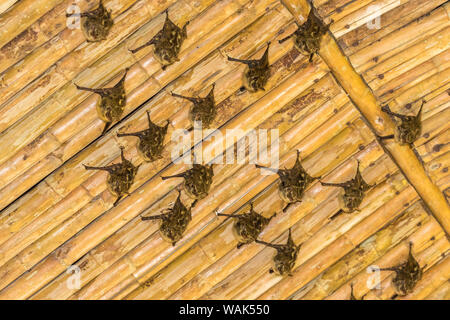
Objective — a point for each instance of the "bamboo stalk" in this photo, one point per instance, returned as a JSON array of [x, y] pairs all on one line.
[[129, 266], [68, 67], [255, 270], [328, 7], [214, 251], [434, 147], [414, 55], [419, 74], [347, 8], [441, 293], [368, 106], [41, 31]]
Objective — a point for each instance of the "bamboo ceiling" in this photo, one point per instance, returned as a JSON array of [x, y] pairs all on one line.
[[55, 214]]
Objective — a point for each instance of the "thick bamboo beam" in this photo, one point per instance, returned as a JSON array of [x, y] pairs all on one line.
[[381, 124]]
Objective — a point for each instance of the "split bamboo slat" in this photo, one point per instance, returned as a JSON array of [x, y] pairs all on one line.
[[54, 214]]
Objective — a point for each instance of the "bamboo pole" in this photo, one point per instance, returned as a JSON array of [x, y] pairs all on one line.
[[416, 72], [434, 147], [125, 266], [216, 272], [157, 289], [418, 75], [381, 124], [441, 293], [140, 95]]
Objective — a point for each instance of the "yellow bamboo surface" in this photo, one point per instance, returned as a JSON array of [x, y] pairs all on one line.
[[54, 214]]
